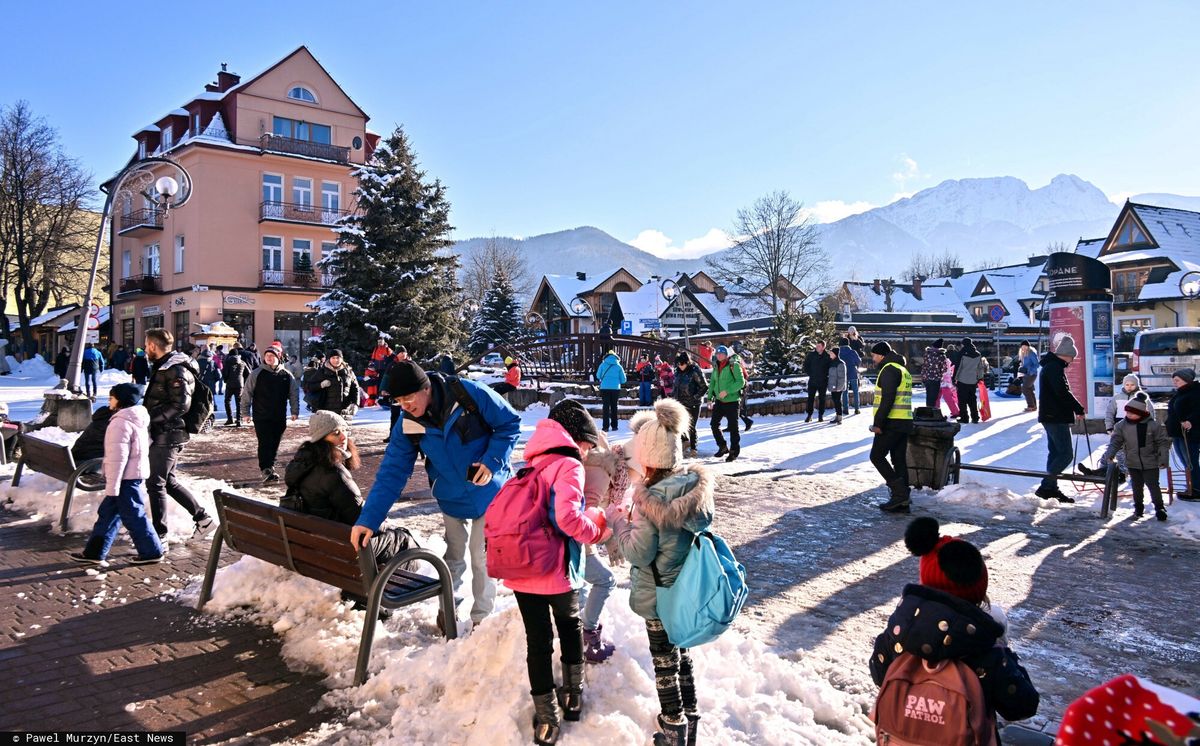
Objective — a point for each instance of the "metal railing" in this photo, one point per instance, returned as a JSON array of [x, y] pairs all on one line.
[[300, 213], [575, 357], [141, 284], [1126, 296], [281, 144], [281, 278], [144, 218]]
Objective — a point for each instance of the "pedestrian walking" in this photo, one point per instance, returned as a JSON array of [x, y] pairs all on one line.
[[126, 466], [747, 359], [1057, 410], [690, 388], [1147, 450], [62, 361], [168, 398], [837, 382], [139, 368], [969, 371], [853, 362], [265, 399], [725, 392], [932, 369], [646, 373], [234, 373], [611, 377], [219, 364], [1183, 425], [816, 367], [93, 363], [892, 424], [1029, 367], [335, 387], [467, 433], [119, 359]]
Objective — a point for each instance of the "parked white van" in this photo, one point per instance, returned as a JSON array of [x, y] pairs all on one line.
[[1157, 353]]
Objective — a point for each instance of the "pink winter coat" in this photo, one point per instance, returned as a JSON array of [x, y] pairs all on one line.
[[564, 474], [126, 447]]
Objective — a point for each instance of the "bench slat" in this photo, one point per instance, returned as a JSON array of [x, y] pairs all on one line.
[[246, 522], [244, 540], [335, 548], [325, 576], [312, 524], [344, 567]]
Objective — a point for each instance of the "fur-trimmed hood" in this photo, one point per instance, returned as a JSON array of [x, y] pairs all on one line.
[[683, 500]]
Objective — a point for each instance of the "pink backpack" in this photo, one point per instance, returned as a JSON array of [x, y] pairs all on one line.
[[930, 705], [521, 541]]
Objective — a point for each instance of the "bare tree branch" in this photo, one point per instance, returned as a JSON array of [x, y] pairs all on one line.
[[480, 268], [930, 265]]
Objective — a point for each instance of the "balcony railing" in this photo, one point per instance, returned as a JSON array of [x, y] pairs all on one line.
[[300, 213], [308, 148], [279, 278], [141, 284], [139, 221], [1126, 296]]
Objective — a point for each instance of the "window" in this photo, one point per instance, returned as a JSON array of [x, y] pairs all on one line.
[[302, 192], [978, 312], [178, 254], [168, 137], [127, 263], [195, 124], [1130, 234], [243, 322], [299, 130], [1133, 326], [331, 196], [272, 254], [272, 195], [300, 93], [1127, 284], [301, 255], [141, 148], [153, 265], [182, 323]]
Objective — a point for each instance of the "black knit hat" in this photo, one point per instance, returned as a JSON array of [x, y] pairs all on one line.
[[126, 394], [683, 358], [334, 353], [406, 378], [881, 348], [576, 421]]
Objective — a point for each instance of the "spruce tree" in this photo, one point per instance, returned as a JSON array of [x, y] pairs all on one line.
[[393, 278], [499, 320], [780, 355]]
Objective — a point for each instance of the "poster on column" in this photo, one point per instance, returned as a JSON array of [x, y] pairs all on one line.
[[1065, 319]]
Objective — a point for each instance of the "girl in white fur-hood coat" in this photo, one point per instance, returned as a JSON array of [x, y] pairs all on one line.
[[671, 503]]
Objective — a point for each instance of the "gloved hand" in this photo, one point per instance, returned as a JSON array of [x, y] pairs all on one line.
[[596, 516], [326, 383]]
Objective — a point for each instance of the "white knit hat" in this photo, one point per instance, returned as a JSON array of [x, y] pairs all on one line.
[[658, 435], [323, 422]]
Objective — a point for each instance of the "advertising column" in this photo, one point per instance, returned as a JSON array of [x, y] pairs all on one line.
[[1081, 306]]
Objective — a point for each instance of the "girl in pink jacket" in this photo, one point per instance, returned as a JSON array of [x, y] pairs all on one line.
[[556, 450], [126, 466]]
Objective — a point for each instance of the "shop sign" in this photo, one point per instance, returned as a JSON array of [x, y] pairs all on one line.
[[238, 300], [127, 312], [151, 311]]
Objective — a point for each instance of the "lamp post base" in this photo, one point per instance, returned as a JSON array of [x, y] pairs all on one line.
[[70, 414]]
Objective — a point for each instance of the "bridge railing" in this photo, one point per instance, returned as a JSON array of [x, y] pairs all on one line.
[[574, 358]]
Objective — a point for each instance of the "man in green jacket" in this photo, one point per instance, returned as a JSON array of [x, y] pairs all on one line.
[[725, 392]]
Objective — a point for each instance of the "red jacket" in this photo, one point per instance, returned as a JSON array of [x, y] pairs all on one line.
[[513, 376]]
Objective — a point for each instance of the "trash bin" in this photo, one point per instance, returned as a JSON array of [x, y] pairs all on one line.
[[930, 448]]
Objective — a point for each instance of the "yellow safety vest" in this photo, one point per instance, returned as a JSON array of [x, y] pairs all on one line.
[[902, 406]]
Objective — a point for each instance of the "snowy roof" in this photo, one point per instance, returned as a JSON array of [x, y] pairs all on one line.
[[103, 317], [567, 288], [1177, 233], [647, 302], [934, 298], [178, 113], [1008, 286], [734, 308], [149, 128], [54, 313]]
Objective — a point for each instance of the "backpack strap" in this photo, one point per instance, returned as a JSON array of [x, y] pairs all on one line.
[[461, 395], [654, 566]]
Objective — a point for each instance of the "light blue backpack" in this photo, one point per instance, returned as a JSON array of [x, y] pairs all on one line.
[[707, 595]]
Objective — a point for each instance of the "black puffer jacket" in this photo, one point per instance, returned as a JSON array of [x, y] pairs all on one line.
[[1056, 403], [690, 386], [341, 395], [90, 443], [234, 372], [1184, 407], [816, 366], [328, 491], [936, 626], [168, 398]]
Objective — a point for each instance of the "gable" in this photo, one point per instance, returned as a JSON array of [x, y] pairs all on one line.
[[1128, 233], [620, 277], [983, 287], [301, 69]]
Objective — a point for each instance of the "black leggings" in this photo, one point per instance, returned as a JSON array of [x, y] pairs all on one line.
[[536, 610], [672, 673], [609, 399]]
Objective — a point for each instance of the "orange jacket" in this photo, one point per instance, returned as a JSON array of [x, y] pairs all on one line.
[[513, 376]]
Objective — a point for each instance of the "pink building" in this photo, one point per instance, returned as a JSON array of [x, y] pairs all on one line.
[[271, 159]]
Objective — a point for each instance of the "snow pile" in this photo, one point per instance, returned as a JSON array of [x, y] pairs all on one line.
[[110, 377], [1183, 518], [34, 367], [475, 689], [988, 496]]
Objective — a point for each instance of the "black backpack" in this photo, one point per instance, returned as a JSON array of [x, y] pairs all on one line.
[[202, 408]]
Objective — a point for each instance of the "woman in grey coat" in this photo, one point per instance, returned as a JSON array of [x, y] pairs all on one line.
[[837, 382]]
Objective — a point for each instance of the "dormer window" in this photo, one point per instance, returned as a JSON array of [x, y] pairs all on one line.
[[983, 287], [168, 137], [1130, 234], [300, 93]]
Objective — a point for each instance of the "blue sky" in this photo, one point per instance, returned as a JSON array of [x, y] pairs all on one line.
[[659, 120]]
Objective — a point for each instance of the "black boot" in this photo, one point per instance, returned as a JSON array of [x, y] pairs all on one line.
[[570, 694], [693, 727], [1139, 510], [900, 494], [748, 422], [671, 733], [721, 451], [546, 721], [733, 454]]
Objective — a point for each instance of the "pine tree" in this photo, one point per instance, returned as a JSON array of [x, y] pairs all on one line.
[[393, 278], [499, 320], [792, 337]]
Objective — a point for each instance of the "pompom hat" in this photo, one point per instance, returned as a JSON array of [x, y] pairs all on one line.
[[658, 435], [948, 564]]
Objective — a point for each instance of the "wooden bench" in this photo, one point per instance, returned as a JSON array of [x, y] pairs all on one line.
[[55, 460], [319, 548]]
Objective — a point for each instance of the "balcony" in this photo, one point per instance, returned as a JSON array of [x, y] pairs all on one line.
[[306, 148], [141, 222], [289, 212], [285, 279], [141, 284], [1126, 295]]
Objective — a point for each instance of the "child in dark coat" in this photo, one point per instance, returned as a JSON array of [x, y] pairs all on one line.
[[1147, 450]]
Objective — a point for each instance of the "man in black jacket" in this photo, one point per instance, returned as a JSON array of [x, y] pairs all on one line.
[[690, 388], [234, 372], [816, 367], [1183, 425], [335, 387], [1058, 408], [892, 424], [168, 398], [265, 400]]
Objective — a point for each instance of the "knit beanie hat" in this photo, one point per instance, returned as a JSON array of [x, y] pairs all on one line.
[[1138, 407], [322, 423], [576, 420], [881, 348], [1132, 378], [272, 351], [1129, 708], [1066, 347], [939, 343], [126, 394], [658, 435], [1187, 375], [722, 350], [334, 353], [406, 378], [948, 564]]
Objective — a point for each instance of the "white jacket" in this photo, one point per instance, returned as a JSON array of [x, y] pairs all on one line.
[[126, 447]]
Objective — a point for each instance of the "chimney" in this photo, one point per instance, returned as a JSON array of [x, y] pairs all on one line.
[[875, 286], [581, 276], [916, 287], [956, 272], [226, 79], [720, 293]]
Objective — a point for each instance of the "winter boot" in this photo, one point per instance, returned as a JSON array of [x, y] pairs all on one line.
[[733, 454], [546, 719], [1160, 514], [671, 732], [749, 423], [269, 475], [693, 727], [721, 451], [228, 423], [1088, 472], [899, 502], [570, 694], [809, 417], [595, 648], [1139, 510]]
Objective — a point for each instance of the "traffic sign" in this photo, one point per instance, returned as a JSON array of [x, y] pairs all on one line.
[[93, 336], [997, 326], [627, 327], [996, 312], [650, 323], [93, 323]]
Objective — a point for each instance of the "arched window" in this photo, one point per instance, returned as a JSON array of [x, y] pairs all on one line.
[[300, 93]]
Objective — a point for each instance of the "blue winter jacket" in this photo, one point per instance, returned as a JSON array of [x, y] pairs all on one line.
[[447, 457], [94, 356], [610, 374], [852, 360], [1030, 364]]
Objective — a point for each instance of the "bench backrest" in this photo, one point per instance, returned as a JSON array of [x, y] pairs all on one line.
[[52, 459], [315, 547]]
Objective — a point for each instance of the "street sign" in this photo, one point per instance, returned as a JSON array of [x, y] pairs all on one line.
[[627, 327], [199, 288], [93, 323], [93, 336], [997, 326], [996, 312], [650, 323]]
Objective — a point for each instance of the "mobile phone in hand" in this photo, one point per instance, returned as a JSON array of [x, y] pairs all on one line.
[[473, 471]]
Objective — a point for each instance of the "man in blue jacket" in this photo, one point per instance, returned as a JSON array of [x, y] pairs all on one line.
[[467, 433], [853, 361]]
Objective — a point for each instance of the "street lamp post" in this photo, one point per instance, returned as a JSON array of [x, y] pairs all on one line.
[[579, 305], [670, 292], [137, 179]]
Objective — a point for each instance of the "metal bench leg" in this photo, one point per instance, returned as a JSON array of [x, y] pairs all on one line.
[[210, 572], [16, 482], [66, 511], [449, 613]]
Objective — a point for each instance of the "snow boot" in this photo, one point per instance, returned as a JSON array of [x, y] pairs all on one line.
[[721, 451], [808, 418], [671, 732], [1160, 514], [748, 422], [900, 498], [595, 648], [228, 423], [733, 454], [693, 727], [570, 694], [1088, 472], [1139, 511], [547, 723]]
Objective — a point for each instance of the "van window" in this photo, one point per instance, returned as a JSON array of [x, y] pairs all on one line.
[[1170, 343]]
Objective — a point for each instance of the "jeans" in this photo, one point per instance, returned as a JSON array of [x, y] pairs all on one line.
[[851, 385], [892, 443], [728, 411], [609, 398], [601, 582], [1058, 457], [162, 482], [89, 381], [483, 588], [269, 432], [236, 415], [124, 508], [672, 672], [967, 403], [645, 393], [536, 611], [1190, 456], [218, 385]]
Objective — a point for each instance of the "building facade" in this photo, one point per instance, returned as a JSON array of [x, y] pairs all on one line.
[[272, 162]]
